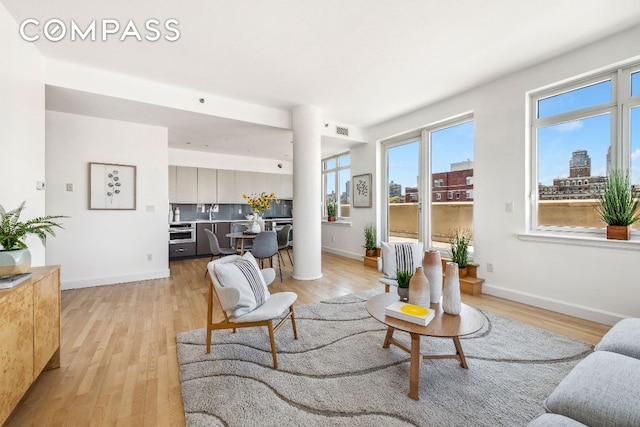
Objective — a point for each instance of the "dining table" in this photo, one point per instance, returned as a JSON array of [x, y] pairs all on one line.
[[240, 237]]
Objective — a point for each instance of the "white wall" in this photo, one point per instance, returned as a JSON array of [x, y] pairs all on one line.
[[104, 247], [590, 282], [21, 127]]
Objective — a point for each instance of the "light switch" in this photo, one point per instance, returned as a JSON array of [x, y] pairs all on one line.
[[509, 207], [69, 187]]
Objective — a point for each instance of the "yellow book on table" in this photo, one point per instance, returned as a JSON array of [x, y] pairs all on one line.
[[410, 312]]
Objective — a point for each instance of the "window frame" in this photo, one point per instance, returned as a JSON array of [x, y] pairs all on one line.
[[336, 171], [619, 110]]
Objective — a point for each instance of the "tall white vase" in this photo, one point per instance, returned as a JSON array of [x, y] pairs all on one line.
[[432, 266], [451, 302], [419, 293]]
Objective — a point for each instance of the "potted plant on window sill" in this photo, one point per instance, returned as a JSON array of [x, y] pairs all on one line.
[[617, 206], [370, 245], [15, 257], [459, 241], [332, 211]]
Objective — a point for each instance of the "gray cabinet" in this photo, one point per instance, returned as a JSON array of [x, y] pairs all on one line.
[[220, 229], [178, 250]]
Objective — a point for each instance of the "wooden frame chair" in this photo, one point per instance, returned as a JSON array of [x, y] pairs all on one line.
[[227, 299]]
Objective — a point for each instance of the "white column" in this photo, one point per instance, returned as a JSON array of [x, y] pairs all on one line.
[[307, 193]]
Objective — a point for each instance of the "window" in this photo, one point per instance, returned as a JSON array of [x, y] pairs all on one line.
[[580, 131], [436, 164], [336, 180]]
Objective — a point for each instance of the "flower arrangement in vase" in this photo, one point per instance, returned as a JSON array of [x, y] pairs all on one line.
[[260, 202]]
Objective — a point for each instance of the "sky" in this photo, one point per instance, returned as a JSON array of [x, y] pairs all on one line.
[[555, 143]]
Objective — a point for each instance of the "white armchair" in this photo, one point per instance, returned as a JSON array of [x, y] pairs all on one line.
[[233, 300]]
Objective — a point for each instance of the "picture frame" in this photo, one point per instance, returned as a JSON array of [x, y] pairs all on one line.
[[112, 186], [361, 185]]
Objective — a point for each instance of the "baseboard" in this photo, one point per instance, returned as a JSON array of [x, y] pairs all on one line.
[[343, 253], [575, 310], [101, 281]]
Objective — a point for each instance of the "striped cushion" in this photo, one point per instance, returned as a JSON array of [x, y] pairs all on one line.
[[245, 276], [401, 256]]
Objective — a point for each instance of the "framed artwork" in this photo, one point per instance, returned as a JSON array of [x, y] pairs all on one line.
[[112, 186], [362, 191]]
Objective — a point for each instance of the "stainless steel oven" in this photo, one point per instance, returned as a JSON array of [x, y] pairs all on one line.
[[182, 233]]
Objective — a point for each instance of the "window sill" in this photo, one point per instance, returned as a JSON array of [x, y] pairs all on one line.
[[340, 222], [596, 240]]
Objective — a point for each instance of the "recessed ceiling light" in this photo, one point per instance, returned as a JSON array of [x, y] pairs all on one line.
[[201, 100], [188, 143]]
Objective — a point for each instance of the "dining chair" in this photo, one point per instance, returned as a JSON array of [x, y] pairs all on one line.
[[216, 250], [265, 245], [240, 228], [229, 286], [284, 242]]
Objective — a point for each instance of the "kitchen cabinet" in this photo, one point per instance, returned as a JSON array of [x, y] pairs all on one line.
[[207, 185], [227, 187], [281, 185], [179, 250], [220, 229], [186, 185]]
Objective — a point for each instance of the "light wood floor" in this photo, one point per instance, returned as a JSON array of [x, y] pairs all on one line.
[[119, 364]]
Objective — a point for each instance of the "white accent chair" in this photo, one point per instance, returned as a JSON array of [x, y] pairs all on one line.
[[226, 299]]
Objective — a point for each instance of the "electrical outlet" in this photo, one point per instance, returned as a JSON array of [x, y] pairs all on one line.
[[240, 211], [489, 267], [69, 187], [149, 257]]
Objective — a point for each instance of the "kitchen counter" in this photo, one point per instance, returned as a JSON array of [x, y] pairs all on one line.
[[196, 221]]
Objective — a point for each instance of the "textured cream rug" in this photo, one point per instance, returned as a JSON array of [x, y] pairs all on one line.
[[338, 374]]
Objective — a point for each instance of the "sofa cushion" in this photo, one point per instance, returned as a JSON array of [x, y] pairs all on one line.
[[554, 420], [623, 338], [601, 390]]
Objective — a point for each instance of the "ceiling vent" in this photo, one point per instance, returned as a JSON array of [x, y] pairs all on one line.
[[342, 131]]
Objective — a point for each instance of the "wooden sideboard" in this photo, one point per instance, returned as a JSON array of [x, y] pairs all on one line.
[[29, 334]]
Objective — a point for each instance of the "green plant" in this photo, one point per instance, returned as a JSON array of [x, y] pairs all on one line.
[[616, 204], [403, 277], [13, 232], [332, 208], [370, 237], [459, 241]]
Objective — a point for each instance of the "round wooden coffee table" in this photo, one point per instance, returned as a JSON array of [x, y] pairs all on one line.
[[442, 326]]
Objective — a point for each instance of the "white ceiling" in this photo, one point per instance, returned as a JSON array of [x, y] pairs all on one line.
[[360, 61]]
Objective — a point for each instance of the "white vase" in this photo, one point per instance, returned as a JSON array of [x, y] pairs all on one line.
[[451, 301], [255, 228], [432, 266], [419, 293]]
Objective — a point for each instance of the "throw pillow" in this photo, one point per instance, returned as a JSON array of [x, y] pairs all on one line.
[[244, 275], [401, 256]]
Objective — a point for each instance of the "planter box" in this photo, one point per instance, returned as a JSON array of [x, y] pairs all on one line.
[[618, 232]]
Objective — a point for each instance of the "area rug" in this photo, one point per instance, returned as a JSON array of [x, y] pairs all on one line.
[[338, 374]]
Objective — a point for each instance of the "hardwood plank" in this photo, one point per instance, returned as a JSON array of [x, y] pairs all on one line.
[[118, 357]]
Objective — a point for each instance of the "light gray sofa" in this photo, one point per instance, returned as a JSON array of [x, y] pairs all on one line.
[[604, 388]]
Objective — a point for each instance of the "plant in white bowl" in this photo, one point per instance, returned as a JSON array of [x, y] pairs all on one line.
[[15, 257]]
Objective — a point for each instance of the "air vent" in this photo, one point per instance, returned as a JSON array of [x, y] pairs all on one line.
[[342, 131]]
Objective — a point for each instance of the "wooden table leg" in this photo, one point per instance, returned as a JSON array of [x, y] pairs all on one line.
[[241, 247], [460, 353], [387, 339], [414, 370]]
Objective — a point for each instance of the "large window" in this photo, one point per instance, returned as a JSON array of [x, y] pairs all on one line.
[[430, 183], [580, 132], [336, 180]]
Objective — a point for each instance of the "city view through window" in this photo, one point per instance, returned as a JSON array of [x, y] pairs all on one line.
[[577, 147], [450, 168]]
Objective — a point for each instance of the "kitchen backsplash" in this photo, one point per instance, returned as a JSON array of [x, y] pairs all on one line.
[[192, 212]]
